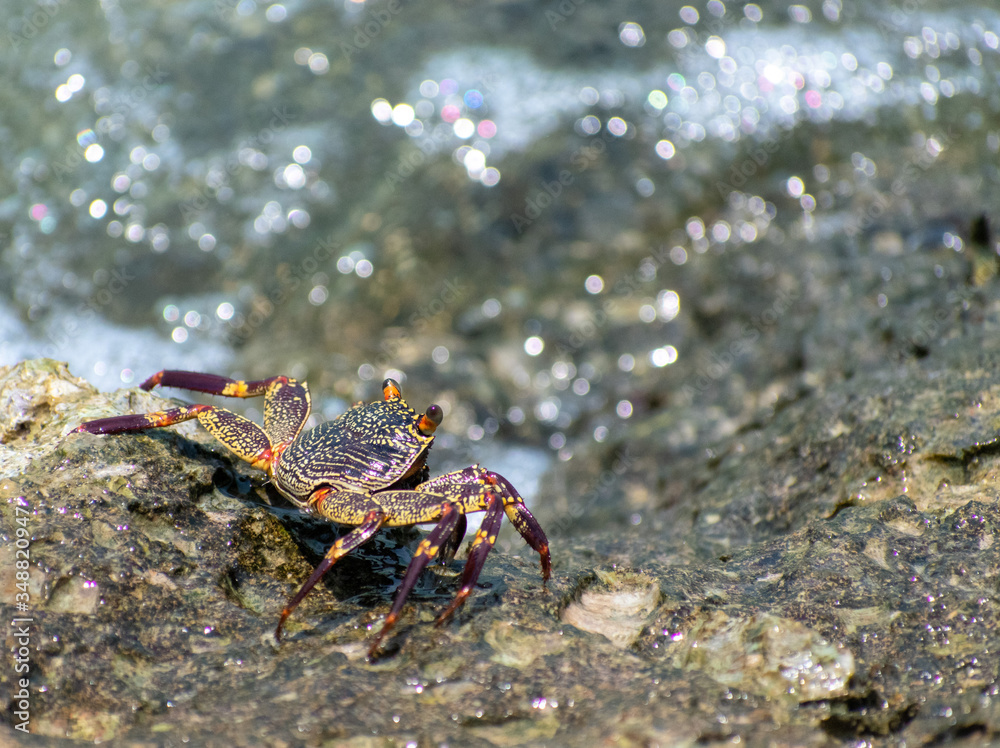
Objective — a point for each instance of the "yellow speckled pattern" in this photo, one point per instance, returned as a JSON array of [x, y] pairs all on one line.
[[368, 448], [286, 408], [241, 435], [236, 389]]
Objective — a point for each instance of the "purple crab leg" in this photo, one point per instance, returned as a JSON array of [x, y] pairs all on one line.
[[213, 384], [429, 547], [526, 524], [486, 536], [142, 421], [286, 400], [454, 542], [356, 537], [286, 408]]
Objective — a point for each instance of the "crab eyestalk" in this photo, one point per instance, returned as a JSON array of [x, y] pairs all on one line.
[[430, 420], [390, 390]]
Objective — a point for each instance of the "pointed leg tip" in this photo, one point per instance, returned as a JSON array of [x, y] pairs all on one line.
[[88, 427], [280, 628], [151, 382], [375, 647], [453, 606], [390, 621], [442, 619]]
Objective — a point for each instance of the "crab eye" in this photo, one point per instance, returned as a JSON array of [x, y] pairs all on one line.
[[390, 389], [430, 420]]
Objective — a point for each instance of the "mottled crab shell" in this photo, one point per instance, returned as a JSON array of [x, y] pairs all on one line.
[[369, 447]]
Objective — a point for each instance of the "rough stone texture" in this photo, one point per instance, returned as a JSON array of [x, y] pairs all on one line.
[[858, 602], [838, 553]]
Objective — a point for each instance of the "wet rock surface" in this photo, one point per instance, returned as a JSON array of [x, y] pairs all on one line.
[[832, 612]]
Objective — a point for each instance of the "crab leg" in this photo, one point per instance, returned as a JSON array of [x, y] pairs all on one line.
[[286, 408], [472, 489], [425, 553], [453, 543], [141, 421], [474, 486], [525, 523], [486, 536], [244, 437], [213, 384], [286, 400], [356, 537]]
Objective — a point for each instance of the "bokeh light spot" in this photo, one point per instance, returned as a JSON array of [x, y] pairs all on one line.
[[594, 284]]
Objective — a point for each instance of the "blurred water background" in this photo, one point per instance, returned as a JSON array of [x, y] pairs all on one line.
[[558, 220]]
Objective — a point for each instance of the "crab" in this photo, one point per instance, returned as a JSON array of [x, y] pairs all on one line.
[[366, 468]]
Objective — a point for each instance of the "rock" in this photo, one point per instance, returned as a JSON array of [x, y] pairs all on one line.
[[839, 554], [157, 565], [618, 608], [34, 399], [782, 656]]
